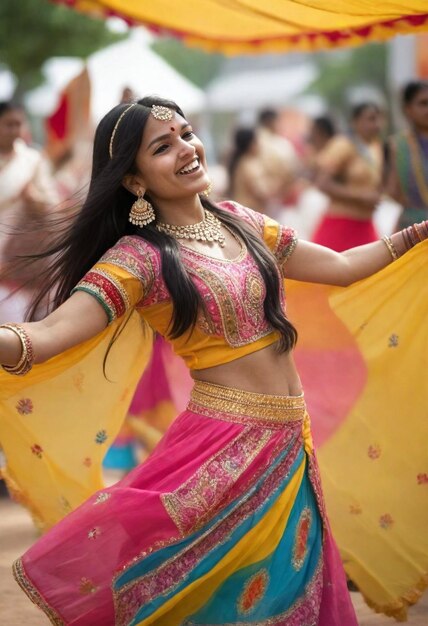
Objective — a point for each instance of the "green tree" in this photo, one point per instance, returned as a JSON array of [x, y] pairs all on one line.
[[198, 66], [32, 31], [341, 70]]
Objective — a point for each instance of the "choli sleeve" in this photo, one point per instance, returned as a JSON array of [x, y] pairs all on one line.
[[280, 239], [121, 278]]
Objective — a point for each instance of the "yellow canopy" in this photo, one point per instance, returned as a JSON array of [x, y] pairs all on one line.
[[251, 26]]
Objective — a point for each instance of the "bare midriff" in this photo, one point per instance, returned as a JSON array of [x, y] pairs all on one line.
[[265, 371], [350, 210]]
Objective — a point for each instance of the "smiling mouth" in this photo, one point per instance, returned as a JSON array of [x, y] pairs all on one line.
[[190, 168]]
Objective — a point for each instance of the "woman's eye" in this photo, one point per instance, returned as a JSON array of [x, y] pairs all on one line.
[[188, 135], [161, 148]]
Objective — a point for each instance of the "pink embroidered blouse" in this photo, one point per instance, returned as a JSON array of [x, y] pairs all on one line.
[[233, 323]]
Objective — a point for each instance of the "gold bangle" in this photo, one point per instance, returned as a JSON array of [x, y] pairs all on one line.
[[418, 232], [27, 357], [392, 249]]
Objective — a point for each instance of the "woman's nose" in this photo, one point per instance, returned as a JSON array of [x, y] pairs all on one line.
[[186, 149]]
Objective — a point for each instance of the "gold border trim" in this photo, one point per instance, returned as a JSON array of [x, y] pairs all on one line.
[[264, 407], [27, 586]]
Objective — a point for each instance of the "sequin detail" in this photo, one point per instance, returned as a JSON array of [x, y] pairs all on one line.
[[94, 533], [203, 494], [102, 497]]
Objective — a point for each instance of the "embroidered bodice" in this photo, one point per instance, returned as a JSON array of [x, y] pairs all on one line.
[[232, 321]]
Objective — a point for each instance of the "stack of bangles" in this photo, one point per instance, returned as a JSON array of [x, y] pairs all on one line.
[[27, 358], [410, 236]]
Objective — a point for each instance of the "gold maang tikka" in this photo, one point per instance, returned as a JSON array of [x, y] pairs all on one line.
[[161, 113]]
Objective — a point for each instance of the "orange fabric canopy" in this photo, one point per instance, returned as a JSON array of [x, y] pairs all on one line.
[[251, 26]]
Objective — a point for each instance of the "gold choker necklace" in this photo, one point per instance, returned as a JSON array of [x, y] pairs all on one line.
[[207, 230]]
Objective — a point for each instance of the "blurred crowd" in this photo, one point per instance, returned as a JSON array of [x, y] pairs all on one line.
[[340, 187], [366, 179]]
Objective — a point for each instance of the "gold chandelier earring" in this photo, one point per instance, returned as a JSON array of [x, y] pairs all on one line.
[[142, 212], [206, 192]]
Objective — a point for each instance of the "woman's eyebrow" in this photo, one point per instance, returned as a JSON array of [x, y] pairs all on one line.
[[165, 136]]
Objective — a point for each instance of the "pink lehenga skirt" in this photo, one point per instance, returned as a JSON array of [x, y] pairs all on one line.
[[223, 524]]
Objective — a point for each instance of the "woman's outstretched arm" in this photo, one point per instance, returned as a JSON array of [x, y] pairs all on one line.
[[313, 263], [78, 319]]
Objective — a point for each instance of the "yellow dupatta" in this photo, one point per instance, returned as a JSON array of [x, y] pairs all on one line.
[[57, 422], [362, 356]]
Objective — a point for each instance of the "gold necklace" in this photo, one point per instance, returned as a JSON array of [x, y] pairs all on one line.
[[209, 229]]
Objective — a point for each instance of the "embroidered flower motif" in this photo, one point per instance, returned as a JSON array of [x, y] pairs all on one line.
[[101, 436], [37, 450], [94, 533], [24, 406], [86, 586], [301, 539], [355, 509], [65, 504], [87, 461], [386, 521], [422, 479], [253, 592], [374, 451], [102, 497], [393, 341]]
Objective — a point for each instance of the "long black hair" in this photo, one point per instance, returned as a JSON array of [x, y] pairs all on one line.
[[411, 90], [103, 220], [243, 139]]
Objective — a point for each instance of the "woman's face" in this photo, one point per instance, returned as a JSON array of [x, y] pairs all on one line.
[[11, 127], [417, 111], [171, 160], [369, 123]]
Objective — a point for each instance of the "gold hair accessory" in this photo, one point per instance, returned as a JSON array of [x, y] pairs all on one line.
[[27, 358], [208, 190], [164, 114], [110, 148], [209, 229], [141, 212], [392, 249]]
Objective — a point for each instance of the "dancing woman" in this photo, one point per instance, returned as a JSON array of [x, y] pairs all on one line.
[[408, 168], [350, 173], [225, 522]]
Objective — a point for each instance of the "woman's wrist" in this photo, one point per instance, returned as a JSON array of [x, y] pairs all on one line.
[[402, 241], [16, 349]]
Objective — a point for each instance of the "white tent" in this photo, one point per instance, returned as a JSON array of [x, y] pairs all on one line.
[[133, 64], [129, 63], [250, 90]]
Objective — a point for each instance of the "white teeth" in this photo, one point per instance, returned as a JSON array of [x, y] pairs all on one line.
[[189, 168]]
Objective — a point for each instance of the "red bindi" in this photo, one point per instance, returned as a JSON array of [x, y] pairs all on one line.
[[172, 128]]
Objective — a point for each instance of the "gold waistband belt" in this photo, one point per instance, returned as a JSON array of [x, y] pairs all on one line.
[[218, 401]]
